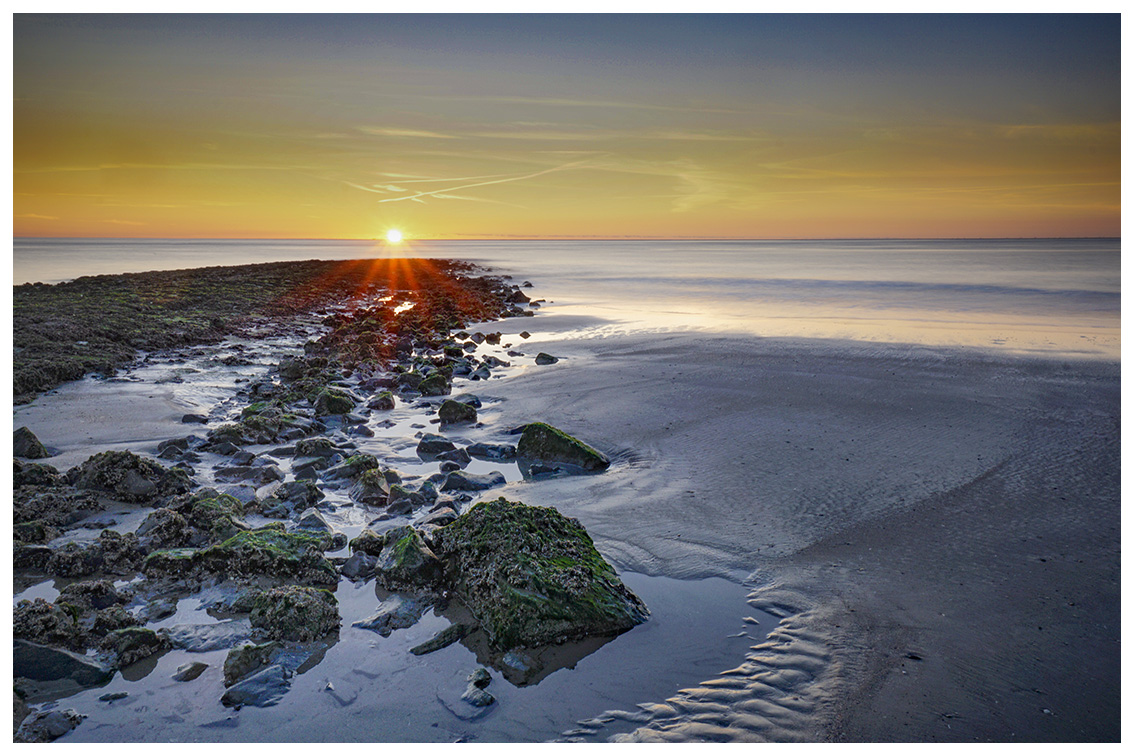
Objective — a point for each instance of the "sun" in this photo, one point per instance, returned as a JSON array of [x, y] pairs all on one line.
[[394, 236]]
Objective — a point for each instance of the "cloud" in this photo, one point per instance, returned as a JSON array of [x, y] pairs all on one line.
[[409, 133], [37, 216], [447, 192]]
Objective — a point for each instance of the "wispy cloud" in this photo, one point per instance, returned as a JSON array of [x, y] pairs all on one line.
[[37, 216], [406, 133], [447, 192]]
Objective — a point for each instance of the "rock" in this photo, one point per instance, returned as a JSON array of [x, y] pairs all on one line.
[[477, 696], [395, 613], [354, 465], [46, 623], [315, 447], [491, 451], [46, 664], [210, 637], [470, 399], [270, 552], [124, 647], [543, 358], [360, 566], [446, 637], [517, 297], [525, 335], [371, 488], [461, 480], [533, 577], [265, 688], [434, 384], [368, 542], [189, 671], [312, 519], [198, 419], [460, 456], [112, 552], [244, 660], [164, 529], [158, 609], [406, 562], [297, 613], [128, 477], [91, 595], [302, 493], [541, 442], [451, 412], [383, 400], [333, 402], [432, 444], [35, 474], [480, 677], [26, 445], [46, 726]]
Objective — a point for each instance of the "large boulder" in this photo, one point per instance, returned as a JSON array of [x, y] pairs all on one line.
[[296, 613], [541, 442], [532, 576], [26, 445], [265, 552], [128, 477]]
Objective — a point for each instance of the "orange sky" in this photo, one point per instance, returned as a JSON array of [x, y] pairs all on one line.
[[513, 126]]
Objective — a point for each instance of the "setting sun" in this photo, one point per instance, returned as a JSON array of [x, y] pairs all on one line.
[[394, 236]]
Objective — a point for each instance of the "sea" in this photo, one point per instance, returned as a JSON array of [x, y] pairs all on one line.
[[1034, 296], [1045, 297]]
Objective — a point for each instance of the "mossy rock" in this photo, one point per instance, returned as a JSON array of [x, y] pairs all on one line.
[[452, 411], [128, 645], [434, 384], [273, 553], [406, 562], [331, 401], [315, 447], [357, 464], [544, 443], [206, 507], [368, 542], [532, 576], [128, 477], [244, 660], [296, 613], [172, 563]]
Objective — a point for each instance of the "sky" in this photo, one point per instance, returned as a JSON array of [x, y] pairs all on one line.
[[509, 126]]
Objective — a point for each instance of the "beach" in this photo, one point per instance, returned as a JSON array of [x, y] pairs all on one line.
[[847, 539]]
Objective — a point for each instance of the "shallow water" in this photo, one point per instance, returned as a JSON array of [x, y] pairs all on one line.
[[1035, 296]]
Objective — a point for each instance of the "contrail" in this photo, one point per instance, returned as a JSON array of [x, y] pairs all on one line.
[[417, 197]]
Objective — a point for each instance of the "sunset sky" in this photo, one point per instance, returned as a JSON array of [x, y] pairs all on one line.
[[489, 126]]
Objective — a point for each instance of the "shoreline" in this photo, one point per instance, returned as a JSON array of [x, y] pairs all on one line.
[[699, 425]]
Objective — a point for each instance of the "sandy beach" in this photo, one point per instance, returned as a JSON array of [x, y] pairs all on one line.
[[935, 530]]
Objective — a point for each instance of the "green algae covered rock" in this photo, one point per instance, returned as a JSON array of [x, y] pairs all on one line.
[[406, 562], [532, 576], [434, 384], [265, 552], [128, 477], [452, 411], [26, 445], [331, 401], [244, 660], [296, 613], [544, 443], [368, 542], [273, 553]]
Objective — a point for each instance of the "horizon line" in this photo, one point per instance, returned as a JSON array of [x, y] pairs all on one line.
[[410, 240]]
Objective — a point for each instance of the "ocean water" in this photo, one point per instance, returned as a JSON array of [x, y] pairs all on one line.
[[1053, 297]]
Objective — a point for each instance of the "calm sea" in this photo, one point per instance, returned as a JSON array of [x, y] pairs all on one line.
[[1030, 296]]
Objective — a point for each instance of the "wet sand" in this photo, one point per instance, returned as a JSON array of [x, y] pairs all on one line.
[[938, 528]]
